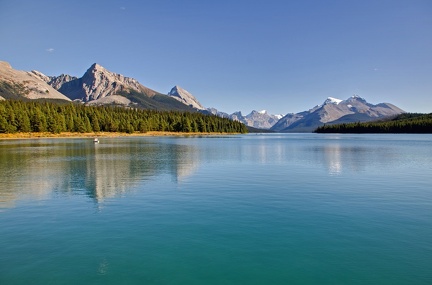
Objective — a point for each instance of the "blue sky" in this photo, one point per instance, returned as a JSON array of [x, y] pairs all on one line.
[[282, 56]]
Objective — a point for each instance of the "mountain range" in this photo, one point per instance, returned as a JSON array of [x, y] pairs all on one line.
[[335, 111], [255, 119], [99, 86]]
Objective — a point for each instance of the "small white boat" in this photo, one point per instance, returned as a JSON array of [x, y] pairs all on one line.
[[96, 140]]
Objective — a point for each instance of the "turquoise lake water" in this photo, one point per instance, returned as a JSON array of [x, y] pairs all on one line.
[[248, 209]]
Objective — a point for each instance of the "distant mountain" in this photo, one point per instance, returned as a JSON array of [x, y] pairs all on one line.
[[17, 84], [260, 119], [255, 119], [287, 121], [214, 111], [333, 111], [98, 84], [185, 97]]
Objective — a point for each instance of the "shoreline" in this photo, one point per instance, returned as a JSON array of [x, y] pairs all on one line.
[[66, 135]]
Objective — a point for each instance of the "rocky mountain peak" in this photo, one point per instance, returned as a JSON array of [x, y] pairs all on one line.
[[96, 69], [98, 82], [96, 66], [332, 100], [255, 112], [54, 81], [176, 91], [185, 97], [260, 119], [238, 113], [356, 98], [58, 81]]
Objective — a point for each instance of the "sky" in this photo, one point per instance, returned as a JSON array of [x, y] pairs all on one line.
[[235, 55]]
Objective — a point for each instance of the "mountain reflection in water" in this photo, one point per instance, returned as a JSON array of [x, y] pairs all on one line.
[[37, 169]]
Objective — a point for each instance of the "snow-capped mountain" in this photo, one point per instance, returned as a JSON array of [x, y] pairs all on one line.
[[257, 119], [185, 97], [260, 119], [332, 111]]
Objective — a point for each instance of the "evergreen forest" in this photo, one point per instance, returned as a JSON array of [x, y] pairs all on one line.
[[36, 116], [404, 123]]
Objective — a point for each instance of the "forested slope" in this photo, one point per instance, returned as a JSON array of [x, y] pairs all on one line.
[[404, 123], [21, 116]]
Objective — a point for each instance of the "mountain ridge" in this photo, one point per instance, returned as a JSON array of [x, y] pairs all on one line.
[[185, 97], [98, 84], [353, 109], [26, 85]]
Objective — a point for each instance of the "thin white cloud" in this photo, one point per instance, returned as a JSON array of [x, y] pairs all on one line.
[[50, 50], [122, 8]]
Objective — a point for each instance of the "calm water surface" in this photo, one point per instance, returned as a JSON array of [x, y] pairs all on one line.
[[250, 209]]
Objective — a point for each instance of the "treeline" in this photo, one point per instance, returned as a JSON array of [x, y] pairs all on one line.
[[404, 123], [20, 116]]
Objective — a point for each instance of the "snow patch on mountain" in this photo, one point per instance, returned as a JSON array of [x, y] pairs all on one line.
[[332, 100]]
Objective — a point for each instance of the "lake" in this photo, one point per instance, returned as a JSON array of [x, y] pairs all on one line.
[[246, 209]]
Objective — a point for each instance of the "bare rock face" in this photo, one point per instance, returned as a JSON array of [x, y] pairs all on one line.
[[54, 81], [237, 116], [32, 85], [261, 119], [286, 121], [185, 97], [58, 81], [96, 83]]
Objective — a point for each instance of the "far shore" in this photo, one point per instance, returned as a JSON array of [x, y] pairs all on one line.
[[103, 135]]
